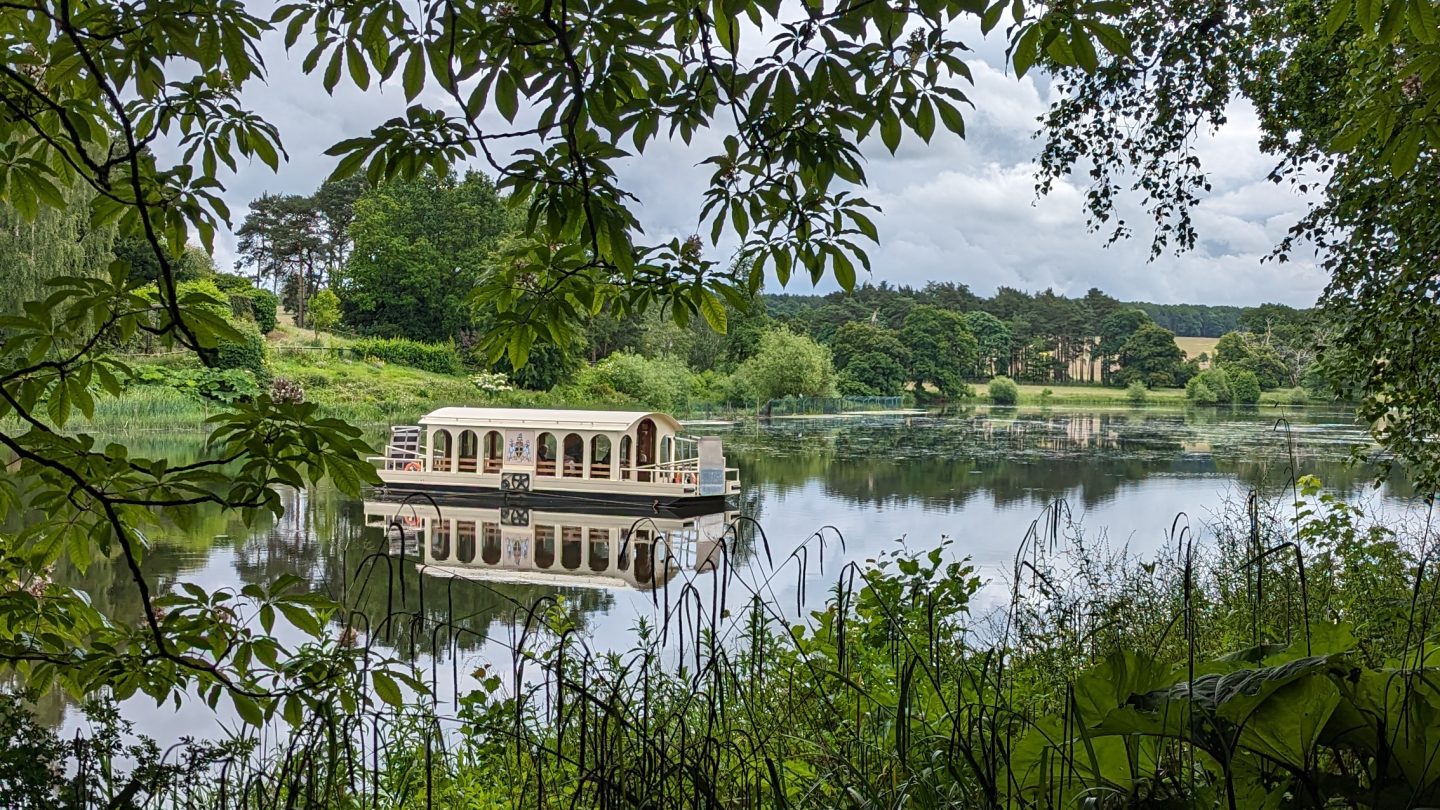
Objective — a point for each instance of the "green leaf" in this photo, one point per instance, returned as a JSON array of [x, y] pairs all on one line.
[[248, 709], [1026, 50], [414, 76], [713, 310], [925, 120], [890, 131], [506, 96], [727, 31], [387, 689]]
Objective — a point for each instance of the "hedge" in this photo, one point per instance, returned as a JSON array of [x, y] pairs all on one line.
[[440, 358]]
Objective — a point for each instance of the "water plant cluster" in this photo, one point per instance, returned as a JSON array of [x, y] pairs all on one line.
[[1279, 654]]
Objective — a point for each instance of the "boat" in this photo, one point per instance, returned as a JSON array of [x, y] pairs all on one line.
[[559, 548], [589, 456]]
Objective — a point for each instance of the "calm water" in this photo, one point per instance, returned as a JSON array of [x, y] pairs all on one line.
[[978, 478]]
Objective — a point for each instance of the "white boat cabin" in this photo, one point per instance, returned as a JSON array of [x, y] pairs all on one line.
[[564, 549], [637, 454]]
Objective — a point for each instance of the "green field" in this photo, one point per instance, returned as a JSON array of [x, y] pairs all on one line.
[[1103, 395]]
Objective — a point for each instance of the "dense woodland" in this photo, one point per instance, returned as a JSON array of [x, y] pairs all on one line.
[[407, 259]]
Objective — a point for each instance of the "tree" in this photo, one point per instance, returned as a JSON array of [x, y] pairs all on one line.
[[1115, 330], [941, 348], [144, 103], [1242, 350], [53, 243], [420, 247], [872, 374], [324, 310], [787, 365], [992, 343], [1341, 94], [1151, 356]]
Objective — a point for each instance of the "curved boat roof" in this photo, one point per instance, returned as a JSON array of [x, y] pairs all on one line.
[[544, 419]]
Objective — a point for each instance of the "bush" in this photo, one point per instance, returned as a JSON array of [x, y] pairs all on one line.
[[1136, 392], [1297, 396], [1210, 387], [1046, 395], [264, 308], [247, 354], [1004, 391], [222, 385], [1199, 393], [440, 358], [658, 383], [1244, 387]]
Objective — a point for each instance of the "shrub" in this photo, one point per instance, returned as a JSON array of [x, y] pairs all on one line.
[[787, 365], [223, 385], [659, 383], [1136, 392], [1004, 391], [324, 310], [1199, 393], [1210, 387], [440, 358], [264, 308], [1244, 386], [232, 284], [1046, 395], [246, 354], [1297, 396]]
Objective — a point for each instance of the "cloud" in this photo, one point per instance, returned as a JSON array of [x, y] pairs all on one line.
[[953, 210]]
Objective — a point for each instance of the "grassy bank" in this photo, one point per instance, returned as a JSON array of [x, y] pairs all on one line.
[[1061, 395]]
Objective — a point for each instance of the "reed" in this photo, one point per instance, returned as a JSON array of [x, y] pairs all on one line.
[[1279, 661]]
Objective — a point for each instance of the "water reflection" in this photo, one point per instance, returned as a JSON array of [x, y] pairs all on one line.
[[516, 544], [978, 475]]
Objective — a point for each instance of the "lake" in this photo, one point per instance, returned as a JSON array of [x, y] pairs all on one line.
[[978, 478]]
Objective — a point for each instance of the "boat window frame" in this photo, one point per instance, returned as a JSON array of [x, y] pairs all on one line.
[[493, 463], [474, 458], [565, 469], [441, 462], [540, 455], [609, 462]]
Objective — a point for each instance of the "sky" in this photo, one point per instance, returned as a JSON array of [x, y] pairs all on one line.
[[953, 210]]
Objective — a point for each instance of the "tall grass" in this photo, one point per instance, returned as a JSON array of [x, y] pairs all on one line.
[[1278, 660]]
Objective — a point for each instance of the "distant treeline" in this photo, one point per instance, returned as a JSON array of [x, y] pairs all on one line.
[[1186, 320]]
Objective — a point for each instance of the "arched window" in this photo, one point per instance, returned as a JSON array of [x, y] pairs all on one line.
[[545, 454], [574, 456], [570, 537], [465, 541], [625, 472], [469, 451], [600, 457], [645, 448], [599, 549], [440, 452], [494, 451], [544, 546], [666, 448], [440, 541], [490, 543]]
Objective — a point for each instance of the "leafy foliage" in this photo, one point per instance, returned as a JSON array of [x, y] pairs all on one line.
[[1003, 391], [940, 347], [787, 365], [1149, 355], [440, 358]]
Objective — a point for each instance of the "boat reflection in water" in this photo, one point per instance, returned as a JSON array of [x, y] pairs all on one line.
[[499, 542]]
